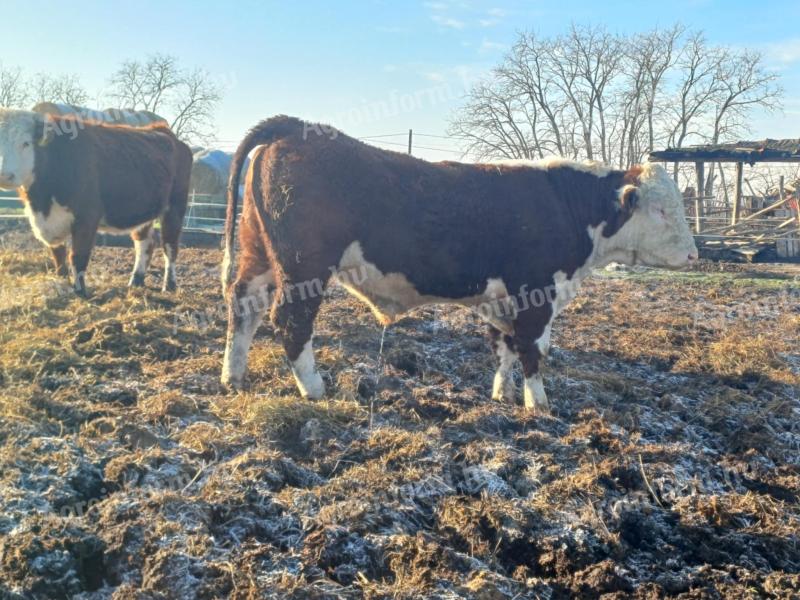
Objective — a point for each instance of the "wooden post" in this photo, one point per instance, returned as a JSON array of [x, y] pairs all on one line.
[[675, 172], [700, 172], [737, 196], [410, 137]]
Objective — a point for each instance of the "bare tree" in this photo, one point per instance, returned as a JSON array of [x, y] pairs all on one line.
[[491, 124], [698, 72], [187, 99], [527, 71], [585, 62], [13, 89], [590, 94], [744, 83], [654, 53], [64, 89], [194, 108]]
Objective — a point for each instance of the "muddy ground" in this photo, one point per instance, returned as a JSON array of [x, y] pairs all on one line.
[[669, 468]]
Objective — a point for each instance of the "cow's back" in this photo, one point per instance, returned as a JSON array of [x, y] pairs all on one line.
[[122, 173]]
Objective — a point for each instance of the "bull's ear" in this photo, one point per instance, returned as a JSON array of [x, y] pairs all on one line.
[[44, 131], [633, 175]]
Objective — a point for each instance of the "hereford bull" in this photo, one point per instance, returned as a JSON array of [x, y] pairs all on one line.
[[513, 240], [78, 177]]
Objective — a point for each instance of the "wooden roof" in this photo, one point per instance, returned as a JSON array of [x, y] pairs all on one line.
[[746, 152]]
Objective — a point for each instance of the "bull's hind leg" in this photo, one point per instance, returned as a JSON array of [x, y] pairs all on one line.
[[293, 314], [143, 243], [171, 225], [531, 341], [249, 298]]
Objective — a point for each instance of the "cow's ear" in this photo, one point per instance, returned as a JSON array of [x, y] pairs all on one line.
[[44, 131], [629, 199]]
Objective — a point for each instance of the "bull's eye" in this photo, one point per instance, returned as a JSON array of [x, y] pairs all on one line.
[[26, 144]]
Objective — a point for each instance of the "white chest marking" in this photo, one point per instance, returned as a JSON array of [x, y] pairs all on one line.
[[54, 228]]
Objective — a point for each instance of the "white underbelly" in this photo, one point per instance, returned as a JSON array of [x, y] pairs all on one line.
[[390, 295], [54, 228], [106, 228]]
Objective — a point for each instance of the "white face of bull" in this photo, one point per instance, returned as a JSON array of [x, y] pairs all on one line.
[[17, 139], [657, 233]]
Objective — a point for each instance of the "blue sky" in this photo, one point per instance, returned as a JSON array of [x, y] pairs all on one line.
[[371, 68]]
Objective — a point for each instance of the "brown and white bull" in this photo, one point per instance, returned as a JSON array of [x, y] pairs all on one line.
[[513, 240], [79, 177]]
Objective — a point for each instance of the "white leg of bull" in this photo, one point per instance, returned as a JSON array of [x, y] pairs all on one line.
[[143, 247], [503, 388], [170, 255], [535, 396], [246, 310], [309, 381]]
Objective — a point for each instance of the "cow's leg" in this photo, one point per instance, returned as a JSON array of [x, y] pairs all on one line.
[[293, 315], [60, 260], [531, 342], [83, 236], [249, 298], [503, 388], [171, 225], [143, 244]]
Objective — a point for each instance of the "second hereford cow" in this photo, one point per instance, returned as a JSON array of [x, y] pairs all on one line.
[[79, 177], [512, 240]]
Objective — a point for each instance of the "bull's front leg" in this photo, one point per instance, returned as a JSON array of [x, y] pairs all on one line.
[[83, 237], [503, 388], [534, 395], [532, 343]]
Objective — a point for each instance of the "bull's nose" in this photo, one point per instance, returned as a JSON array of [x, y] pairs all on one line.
[[693, 256]]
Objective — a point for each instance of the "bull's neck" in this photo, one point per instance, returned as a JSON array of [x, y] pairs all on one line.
[[606, 250], [605, 222], [597, 218]]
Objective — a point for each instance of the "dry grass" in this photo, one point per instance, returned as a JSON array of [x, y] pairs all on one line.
[[669, 468]]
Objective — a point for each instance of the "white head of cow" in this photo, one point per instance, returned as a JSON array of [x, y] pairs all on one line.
[[656, 232], [20, 131]]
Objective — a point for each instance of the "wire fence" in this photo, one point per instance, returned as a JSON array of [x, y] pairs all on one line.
[[205, 213]]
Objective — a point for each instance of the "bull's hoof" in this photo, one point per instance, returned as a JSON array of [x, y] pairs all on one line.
[[539, 410], [137, 280], [535, 398], [230, 379], [311, 387], [231, 385], [506, 397], [504, 389], [170, 285]]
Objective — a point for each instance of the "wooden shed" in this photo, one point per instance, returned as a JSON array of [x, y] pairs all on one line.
[[744, 224]]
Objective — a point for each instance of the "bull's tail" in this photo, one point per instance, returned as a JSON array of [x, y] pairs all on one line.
[[266, 132]]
